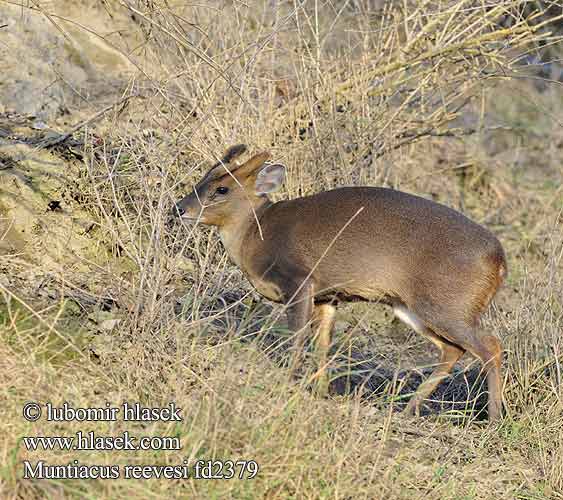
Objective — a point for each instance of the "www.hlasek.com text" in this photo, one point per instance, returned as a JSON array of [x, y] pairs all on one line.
[[90, 441]]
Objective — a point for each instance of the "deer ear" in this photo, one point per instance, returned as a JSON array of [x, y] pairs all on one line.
[[269, 178]]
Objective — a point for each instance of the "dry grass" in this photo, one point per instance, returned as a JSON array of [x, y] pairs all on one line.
[[427, 97]]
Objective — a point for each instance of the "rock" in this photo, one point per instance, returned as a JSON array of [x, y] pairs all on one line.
[[50, 65], [109, 324], [105, 321]]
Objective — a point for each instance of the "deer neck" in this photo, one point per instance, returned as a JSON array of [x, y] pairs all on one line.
[[235, 232]]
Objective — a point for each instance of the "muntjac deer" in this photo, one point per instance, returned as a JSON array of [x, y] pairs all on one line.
[[437, 269]]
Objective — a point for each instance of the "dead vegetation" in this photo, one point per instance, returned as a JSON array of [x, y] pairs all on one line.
[[101, 301]]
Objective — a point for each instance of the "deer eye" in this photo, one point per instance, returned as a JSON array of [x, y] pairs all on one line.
[[222, 190]]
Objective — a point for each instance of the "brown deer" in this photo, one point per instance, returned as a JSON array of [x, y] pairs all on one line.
[[437, 269]]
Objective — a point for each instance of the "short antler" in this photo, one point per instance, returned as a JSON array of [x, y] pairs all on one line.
[[233, 152], [220, 168]]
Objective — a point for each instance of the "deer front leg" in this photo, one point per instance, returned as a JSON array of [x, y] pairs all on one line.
[[299, 312]]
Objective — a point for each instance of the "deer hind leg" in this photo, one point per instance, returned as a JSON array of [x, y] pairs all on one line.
[[449, 355], [489, 350], [324, 315]]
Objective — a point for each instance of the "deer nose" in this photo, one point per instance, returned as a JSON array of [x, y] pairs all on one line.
[[179, 211]]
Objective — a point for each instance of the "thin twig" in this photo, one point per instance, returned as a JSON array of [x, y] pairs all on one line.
[[47, 143]]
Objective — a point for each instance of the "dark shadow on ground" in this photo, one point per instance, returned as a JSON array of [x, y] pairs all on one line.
[[375, 378], [464, 392]]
